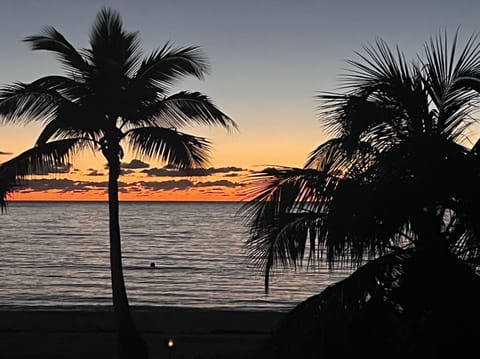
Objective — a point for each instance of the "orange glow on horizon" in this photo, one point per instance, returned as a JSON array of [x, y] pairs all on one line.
[[220, 184], [194, 194]]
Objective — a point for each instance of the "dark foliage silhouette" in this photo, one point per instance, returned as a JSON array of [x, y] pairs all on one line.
[[110, 97], [395, 187]]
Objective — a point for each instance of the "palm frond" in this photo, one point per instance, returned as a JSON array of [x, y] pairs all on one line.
[[383, 114], [379, 68], [71, 120], [71, 89], [284, 214], [330, 156], [111, 47], [163, 67], [381, 86], [44, 158], [188, 108], [38, 100], [343, 156], [350, 218], [52, 40], [168, 145], [21, 102], [450, 77]]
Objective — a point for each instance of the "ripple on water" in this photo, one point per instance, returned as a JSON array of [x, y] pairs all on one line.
[[56, 253]]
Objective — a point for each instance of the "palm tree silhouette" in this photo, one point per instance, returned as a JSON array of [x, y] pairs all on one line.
[[110, 96], [396, 185]]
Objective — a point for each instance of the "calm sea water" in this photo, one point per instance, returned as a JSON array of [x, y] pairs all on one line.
[[56, 253]]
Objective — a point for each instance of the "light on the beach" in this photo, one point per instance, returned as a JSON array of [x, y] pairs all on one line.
[[170, 343]]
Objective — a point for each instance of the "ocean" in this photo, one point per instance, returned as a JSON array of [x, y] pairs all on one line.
[[57, 254]]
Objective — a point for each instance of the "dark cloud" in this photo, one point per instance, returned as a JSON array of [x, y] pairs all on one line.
[[127, 172], [215, 191], [226, 169], [122, 171], [94, 173], [135, 164], [134, 189], [103, 184], [221, 183], [168, 171], [166, 185], [184, 184], [66, 185], [58, 169], [164, 172]]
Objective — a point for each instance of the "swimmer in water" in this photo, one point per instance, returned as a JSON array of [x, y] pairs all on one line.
[[152, 265]]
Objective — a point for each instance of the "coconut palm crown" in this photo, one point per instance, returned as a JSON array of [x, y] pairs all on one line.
[[395, 192], [111, 99], [398, 171]]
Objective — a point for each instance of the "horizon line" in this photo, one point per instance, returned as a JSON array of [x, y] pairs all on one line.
[[127, 200]]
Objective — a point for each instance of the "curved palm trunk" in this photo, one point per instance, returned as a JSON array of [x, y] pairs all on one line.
[[130, 344]]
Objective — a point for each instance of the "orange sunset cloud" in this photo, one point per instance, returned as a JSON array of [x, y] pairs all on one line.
[[139, 182]]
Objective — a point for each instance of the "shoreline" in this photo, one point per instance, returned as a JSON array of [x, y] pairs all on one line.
[[79, 332]]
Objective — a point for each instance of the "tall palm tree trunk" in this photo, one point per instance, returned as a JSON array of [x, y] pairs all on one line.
[[130, 345]]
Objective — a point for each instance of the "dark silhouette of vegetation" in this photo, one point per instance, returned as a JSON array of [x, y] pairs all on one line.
[[395, 187], [109, 97]]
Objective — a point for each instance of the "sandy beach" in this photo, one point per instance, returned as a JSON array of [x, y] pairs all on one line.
[[52, 332]]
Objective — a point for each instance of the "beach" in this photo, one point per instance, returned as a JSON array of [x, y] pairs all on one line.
[[89, 332]]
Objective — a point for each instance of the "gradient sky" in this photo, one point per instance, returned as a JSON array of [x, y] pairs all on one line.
[[268, 59]]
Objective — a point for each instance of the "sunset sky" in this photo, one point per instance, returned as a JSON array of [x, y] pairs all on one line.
[[268, 60]]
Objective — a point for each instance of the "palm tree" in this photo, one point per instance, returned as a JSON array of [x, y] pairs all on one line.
[[111, 97], [396, 185]]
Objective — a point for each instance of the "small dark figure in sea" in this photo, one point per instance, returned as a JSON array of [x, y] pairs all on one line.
[[152, 265]]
